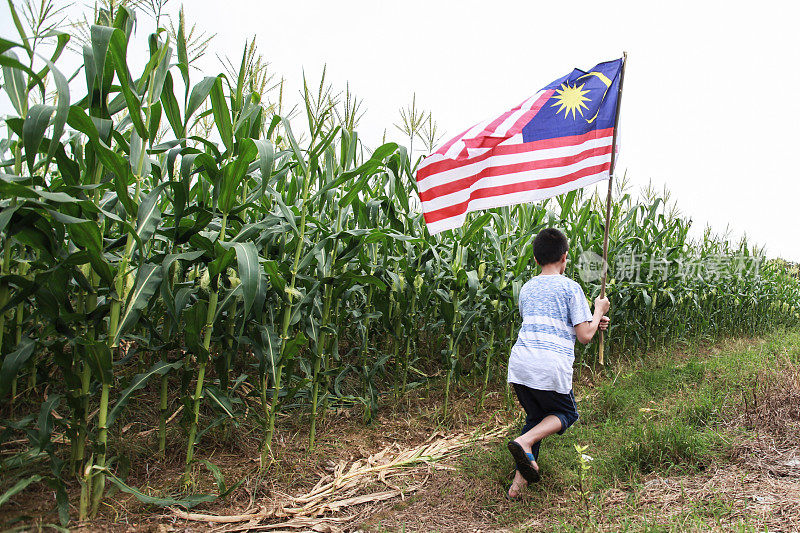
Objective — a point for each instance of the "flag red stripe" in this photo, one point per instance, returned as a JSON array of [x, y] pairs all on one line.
[[499, 170], [508, 149], [487, 192]]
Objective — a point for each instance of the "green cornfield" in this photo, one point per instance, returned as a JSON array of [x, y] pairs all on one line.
[[167, 231]]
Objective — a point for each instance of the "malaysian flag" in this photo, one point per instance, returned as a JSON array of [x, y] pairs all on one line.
[[558, 140]]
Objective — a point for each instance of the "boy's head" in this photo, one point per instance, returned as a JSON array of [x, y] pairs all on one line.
[[550, 246]]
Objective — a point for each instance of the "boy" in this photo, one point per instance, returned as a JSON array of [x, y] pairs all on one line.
[[554, 313]]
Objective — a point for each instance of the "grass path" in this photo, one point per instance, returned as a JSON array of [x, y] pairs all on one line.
[[700, 438]]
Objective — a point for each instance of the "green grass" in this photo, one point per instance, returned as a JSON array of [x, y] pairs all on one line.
[[661, 415]]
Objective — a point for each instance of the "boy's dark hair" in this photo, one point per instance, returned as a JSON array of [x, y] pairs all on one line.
[[549, 245]]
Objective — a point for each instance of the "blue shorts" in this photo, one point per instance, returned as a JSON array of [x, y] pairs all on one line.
[[540, 403]]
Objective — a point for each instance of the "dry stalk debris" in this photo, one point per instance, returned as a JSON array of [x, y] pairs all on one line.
[[342, 488]]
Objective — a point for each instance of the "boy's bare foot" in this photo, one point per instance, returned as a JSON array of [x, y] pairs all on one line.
[[517, 486]]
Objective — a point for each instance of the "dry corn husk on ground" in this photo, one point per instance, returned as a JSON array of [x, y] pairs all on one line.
[[345, 487]]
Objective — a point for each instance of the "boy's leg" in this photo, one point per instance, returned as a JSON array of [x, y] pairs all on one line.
[[535, 414], [549, 425], [533, 417], [531, 423], [529, 441], [535, 450]]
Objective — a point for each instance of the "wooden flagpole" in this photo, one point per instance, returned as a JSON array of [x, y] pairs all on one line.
[[608, 196]]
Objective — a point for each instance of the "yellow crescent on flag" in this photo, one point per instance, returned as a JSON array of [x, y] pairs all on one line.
[[602, 77]]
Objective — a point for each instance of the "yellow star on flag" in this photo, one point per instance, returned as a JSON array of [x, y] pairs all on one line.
[[570, 99]]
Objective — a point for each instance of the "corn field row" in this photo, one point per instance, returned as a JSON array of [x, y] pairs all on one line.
[[166, 233]]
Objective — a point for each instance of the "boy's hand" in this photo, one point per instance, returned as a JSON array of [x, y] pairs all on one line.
[[602, 305], [586, 330]]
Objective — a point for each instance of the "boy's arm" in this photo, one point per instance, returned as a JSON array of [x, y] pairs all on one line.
[[585, 330]]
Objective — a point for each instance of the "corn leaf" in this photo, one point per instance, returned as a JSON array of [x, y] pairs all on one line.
[[18, 487], [13, 362], [138, 382], [147, 281], [187, 502], [222, 114], [36, 124]]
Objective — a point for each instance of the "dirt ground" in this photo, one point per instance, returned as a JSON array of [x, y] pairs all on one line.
[[760, 487], [740, 491]]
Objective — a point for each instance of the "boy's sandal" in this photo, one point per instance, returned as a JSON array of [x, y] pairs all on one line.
[[523, 461]]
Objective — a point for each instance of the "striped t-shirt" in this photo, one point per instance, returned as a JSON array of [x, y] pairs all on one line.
[[551, 306]]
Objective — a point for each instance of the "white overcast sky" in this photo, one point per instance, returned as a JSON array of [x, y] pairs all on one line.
[[710, 106]]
